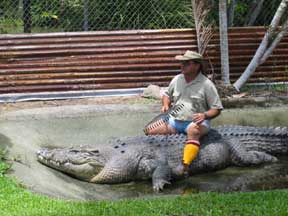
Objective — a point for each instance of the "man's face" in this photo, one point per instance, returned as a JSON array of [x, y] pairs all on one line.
[[190, 67]]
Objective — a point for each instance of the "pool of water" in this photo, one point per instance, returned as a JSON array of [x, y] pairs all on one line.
[[23, 132]]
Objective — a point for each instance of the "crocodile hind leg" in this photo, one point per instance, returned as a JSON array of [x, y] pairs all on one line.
[[240, 156]]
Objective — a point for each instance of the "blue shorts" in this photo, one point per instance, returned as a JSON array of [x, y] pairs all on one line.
[[182, 126]]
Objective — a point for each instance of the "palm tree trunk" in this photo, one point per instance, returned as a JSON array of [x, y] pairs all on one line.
[[224, 42]]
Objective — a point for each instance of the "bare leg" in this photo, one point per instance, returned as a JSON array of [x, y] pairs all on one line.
[[195, 132], [161, 129], [191, 148]]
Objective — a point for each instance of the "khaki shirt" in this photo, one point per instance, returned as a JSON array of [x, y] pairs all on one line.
[[198, 96]]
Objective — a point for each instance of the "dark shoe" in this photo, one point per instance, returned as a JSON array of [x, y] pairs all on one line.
[[186, 170]]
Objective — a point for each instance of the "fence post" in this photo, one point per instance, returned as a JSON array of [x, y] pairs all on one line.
[[224, 48], [27, 16], [86, 15]]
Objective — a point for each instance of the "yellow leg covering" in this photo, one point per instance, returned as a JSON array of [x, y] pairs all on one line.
[[190, 153]]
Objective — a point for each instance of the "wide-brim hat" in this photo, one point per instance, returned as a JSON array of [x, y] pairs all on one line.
[[190, 55]]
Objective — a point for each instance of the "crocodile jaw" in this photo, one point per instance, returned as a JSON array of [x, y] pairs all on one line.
[[84, 168]]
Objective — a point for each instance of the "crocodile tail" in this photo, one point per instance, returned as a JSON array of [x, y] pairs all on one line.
[[237, 130], [162, 118]]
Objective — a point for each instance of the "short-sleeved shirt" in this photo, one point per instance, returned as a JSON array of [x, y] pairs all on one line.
[[198, 96]]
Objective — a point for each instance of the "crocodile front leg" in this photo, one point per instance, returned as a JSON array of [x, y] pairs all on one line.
[[119, 169], [241, 157], [161, 176]]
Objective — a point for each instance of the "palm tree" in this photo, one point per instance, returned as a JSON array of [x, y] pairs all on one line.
[[204, 30]]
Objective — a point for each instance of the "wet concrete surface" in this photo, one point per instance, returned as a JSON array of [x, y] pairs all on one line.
[[24, 132]]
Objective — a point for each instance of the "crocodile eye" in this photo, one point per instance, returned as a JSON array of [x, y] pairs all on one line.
[[123, 144], [116, 147]]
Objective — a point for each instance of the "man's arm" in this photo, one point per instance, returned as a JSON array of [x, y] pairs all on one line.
[[166, 102], [213, 102], [210, 114]]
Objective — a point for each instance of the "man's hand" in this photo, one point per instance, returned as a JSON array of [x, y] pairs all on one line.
[[164, 108], [198, 118]]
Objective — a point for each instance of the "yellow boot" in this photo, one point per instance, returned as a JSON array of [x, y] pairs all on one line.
[[191, 150]]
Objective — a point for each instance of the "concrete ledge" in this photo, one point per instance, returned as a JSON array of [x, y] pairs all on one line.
[[254, 102], [19, 97]]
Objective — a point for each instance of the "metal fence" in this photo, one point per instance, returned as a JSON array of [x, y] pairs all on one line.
[[18, 16], [53, 62]]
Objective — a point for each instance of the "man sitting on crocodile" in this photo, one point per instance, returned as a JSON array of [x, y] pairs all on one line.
[[157, 157], [200, 101]]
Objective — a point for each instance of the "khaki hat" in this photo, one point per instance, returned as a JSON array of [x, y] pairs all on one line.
[[190, 55]]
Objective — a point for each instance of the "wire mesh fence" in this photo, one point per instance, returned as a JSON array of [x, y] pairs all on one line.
[[18, 16], [87, 15]]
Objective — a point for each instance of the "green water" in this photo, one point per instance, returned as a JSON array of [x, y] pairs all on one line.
[[24, 132]]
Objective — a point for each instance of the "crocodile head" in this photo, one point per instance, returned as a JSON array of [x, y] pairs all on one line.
[[80, 163]]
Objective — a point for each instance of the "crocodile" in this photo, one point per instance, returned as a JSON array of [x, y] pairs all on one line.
[[157, 157]]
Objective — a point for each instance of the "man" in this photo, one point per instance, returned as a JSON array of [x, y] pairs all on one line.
[[201, 104]]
